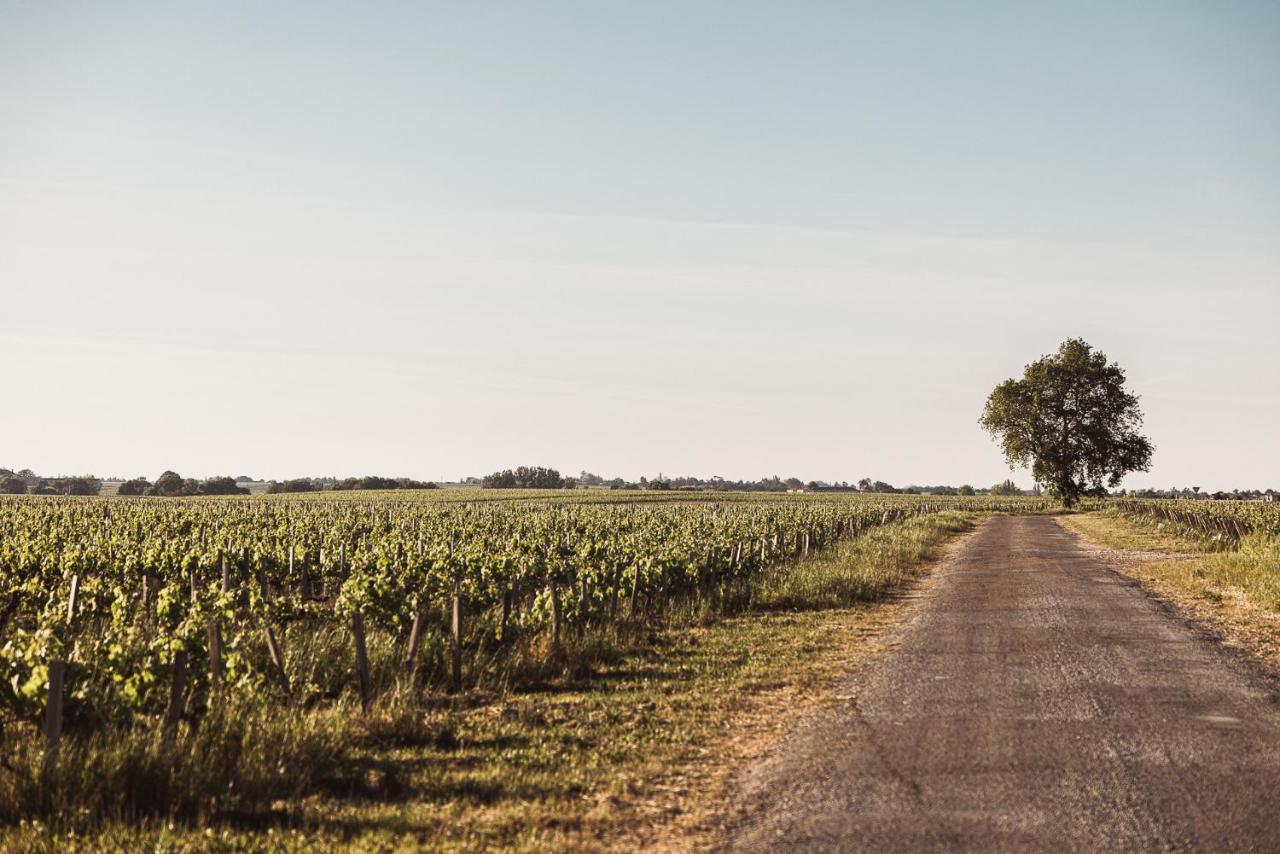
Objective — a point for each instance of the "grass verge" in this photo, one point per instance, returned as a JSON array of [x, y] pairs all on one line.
[[632, 753], [1234, 594], [1115, 531]]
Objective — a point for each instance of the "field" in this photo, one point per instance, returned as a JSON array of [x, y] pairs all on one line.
[[1217, 562], [199, 660], [452, 666]]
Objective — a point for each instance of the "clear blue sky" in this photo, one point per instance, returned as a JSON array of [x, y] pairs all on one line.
[[714, 238]]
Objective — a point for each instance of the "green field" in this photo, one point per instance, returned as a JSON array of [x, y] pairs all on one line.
[[221, 657], [399, 664]]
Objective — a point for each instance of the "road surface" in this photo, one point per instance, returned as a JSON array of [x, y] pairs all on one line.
[[1033, 700]]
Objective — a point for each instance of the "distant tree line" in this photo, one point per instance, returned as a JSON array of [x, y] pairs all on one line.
[[168, 484], [527, 477], [308, 484], [173, 485], [539, 477], [27, 482], [779, 484], [1193, 492]]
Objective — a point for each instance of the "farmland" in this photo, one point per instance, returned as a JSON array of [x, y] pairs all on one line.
[[218, 659], [223, 647], [1225, 523]]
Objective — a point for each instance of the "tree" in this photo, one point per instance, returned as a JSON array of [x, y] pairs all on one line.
[[1071, 420], [11, 484], [86, 485], [221, 486], [524, 477], [136, 486], [301, 484], [1006, 487], [966, 489], [168, 484]]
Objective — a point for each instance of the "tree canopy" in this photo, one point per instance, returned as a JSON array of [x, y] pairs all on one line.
[[525, 477], [1071, 419]]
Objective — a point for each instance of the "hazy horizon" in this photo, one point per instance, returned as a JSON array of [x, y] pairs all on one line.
[[710, 239]]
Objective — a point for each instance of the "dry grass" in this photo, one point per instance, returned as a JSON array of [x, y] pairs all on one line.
[[1236, 595]]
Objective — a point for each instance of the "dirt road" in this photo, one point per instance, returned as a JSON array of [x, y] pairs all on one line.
[[1033, 700]]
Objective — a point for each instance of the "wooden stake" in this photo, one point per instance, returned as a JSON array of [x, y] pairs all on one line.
[[506, 614], [555, 614], [357, 638], [415, 641], [273, 647], [215, 632], [53, 711], [362, 658], [71, 600], [177, 694], [455, 642]]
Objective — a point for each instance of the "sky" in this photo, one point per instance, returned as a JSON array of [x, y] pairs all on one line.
[[713, 238]]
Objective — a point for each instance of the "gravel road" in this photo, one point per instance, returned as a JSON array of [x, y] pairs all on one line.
[[1033, 700]]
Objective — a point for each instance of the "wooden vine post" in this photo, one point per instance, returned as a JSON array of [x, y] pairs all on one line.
[[635, 589], [57, 689], [178, 682], [553, 590], [358, 639], [417, 625], [455, 627], [503, 626], [273, 645], [415, 642], [216, 671], [177, 692], [53, 712], [455, 641]]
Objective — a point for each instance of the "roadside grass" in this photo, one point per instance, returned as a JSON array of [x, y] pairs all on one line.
[[861, 568], [612, 752], [1116, 531], [1235, 593], [1251, 572]]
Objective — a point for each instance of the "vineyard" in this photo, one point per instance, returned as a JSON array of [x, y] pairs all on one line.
[[117, 613], [201, 631], [153, 607], [1224, 523]]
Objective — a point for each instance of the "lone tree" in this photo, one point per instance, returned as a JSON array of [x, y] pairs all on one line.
[[1071, 419]]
